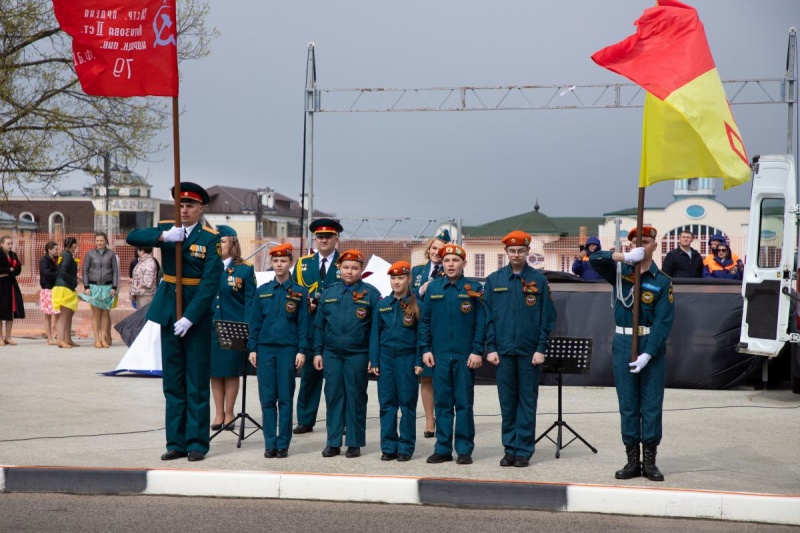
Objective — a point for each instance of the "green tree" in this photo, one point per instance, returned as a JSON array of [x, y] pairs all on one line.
[[48, 126]]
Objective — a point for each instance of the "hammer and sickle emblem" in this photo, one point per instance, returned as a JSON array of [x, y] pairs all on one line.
[[165, 27]]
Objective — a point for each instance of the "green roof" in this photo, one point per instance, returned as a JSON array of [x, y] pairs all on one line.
[[534, 222]]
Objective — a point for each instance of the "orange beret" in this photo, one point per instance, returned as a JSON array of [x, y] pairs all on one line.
[[452, 249], [351, 255], [516, 238], [400, 268], [282, 250], [647, 231]]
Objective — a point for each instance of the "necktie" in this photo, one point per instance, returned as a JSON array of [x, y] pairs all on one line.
[[435, 273], [322, 270]]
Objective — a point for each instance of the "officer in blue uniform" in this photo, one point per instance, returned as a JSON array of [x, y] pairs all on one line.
[[234, 302], [520, 317], [451, 337], [640, 384], [278, 345], [396, 360], [342, 330], [185, 342], [315, 272]]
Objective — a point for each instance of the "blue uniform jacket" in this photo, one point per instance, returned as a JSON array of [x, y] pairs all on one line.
[[201, 270], [657, 301], [520, 318], [280, 316], [237, 288], [306, 273], [394, 334], [419, 276], [453, 320], [344, 318]]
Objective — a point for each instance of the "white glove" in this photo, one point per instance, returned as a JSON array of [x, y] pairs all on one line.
[[640, 363], [174, 234], [635, 255], [183, 325]]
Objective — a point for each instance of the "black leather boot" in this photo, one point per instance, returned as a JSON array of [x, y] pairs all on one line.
[[633, 468], [649, 468]]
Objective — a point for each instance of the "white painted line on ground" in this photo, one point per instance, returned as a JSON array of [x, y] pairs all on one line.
[[349, 488]]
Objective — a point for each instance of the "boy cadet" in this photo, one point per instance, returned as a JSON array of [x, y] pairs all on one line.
[[451, 336], [278, 345], [639, 384], [315, 272], [520, 317], [185, 342], [341, 347]]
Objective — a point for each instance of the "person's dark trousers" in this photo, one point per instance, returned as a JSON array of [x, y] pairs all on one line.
[[453, 397], [276, 384], [640, 396], [186, 364], [310, 393], [518, 390], [398, 388], [346, 398]]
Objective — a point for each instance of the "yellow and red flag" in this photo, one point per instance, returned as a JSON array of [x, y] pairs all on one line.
[[688, 129]]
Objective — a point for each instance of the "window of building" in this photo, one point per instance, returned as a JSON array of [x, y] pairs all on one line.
[[113, 192], [480, 265], [134, 192], [693, 184], [27, 215], [501, 261]]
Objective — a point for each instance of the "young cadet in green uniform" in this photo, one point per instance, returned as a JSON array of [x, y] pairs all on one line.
[[396, 360], [234, 302], [315, 272], [341, 341], [640, 384], [520, 317], [452, 330], [421, 276], [278, 343], [185, 342]]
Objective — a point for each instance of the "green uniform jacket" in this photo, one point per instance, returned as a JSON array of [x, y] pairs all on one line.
[[657, 309], [344, 319], [453, 319], [202, 268], [306, 273]]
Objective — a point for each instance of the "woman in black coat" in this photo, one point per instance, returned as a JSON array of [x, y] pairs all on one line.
[[48, 272], [11, 304]]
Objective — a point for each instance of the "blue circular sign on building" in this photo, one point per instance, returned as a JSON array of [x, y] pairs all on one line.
[[695, 211]]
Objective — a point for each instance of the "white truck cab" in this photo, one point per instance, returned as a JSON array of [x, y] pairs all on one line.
[[769, 320]]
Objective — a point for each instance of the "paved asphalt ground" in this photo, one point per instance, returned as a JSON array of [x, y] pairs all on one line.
[[731, 455]]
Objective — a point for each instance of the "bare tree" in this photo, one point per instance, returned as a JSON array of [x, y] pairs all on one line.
[[48, 126]]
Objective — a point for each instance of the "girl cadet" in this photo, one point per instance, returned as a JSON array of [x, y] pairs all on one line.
[[397, 362], [237, 288], [278, 342], [341, 340]]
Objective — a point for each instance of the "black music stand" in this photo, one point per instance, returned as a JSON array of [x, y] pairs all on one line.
[[233, 336], [566, 355]]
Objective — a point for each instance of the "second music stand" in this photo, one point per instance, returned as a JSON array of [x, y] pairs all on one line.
[[233, 336], [566, 355]]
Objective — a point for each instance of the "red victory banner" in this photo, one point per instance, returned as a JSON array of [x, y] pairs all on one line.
[[122, 47], [689, 130]]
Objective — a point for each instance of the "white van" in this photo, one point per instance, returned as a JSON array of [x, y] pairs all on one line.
[[770, 322]]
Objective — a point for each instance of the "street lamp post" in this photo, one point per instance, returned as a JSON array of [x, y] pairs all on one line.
[[263, 198]]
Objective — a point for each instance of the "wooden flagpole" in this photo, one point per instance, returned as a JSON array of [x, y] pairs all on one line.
[[176, 158], [637, 277]]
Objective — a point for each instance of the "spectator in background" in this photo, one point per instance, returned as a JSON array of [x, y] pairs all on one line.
[[684, 261], [11, 305], [48, 272], [144, 278], [581, 266], [713, 242], [101, 279], [65, 299], [723, 266]]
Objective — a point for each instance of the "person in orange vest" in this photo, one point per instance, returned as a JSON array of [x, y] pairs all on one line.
[[722, 265]]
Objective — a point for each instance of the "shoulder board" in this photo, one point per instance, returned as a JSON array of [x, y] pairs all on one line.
[[170, 221], [247, 263], [306, 256], [210, 230]]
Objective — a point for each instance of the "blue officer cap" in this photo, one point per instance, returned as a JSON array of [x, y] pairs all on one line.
[[226, 231]]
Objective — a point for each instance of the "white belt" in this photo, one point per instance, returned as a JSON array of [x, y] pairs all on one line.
[[643, 330]]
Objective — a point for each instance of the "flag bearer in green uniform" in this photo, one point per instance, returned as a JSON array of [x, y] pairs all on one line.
[[234, 302], [278, 344], [520, 317], [185, 342], [341, 347], [315, 272], [640, 384], [451, 337], [396, 360]]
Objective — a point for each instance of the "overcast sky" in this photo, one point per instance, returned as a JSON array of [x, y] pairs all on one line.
[[243, 123]]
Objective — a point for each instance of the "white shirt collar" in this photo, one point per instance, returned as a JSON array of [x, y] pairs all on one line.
[[189, 228], [226, 262]]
